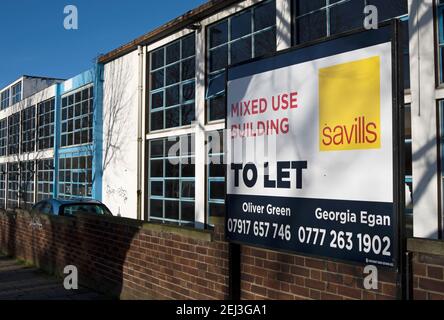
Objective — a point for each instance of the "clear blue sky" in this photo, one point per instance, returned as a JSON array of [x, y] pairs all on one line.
[[34, 42]]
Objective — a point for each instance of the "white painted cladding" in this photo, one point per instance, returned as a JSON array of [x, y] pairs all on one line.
[[120, 114]]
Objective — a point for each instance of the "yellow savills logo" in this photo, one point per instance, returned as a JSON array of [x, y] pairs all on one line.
[[350, 106]]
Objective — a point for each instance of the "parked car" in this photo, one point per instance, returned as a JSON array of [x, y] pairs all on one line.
[[72, 207]]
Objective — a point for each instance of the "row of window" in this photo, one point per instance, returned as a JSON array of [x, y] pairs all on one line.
[[11, 96], [17, 180], [77, 117], [33, 128], [20, 131], [248, 34]]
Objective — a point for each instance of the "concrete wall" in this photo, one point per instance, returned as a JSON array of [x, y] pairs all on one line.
[[424, 120], [120, 120]]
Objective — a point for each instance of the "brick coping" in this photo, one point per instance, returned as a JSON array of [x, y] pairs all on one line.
[[427, 246]]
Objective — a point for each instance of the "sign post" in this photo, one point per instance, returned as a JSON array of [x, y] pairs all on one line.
[[313, 150]]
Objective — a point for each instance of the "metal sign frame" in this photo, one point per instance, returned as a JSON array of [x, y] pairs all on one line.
[[390, 31]]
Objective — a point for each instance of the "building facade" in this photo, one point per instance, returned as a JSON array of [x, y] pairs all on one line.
[[141, 132], [106, 134], [47, 149], [177, 92]]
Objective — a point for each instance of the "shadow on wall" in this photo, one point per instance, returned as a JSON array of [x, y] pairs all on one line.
[[118, 133], [97, 246]]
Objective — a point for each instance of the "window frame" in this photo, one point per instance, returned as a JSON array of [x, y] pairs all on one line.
[[212, 75], [28, 130], [4, 137], [13, 185], [209, 179], [90, 115], [5, 99], [180, 199], [163, 89], [16, 96], [3, 184], [42, 113], [45, 167], [14, 131], [327, 8], [64, 169]]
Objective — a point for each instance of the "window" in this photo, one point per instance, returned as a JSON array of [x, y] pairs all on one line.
[[3, 172], [441, 39], [17, 93], [28, 130], [3, 137], [75, 177], [45, 176], [315, 19], [13, 185], [4, 100], [27, 183], [14, 134], [77, 118], [172, 85], [45, 126], [215, 174], [171, 180], [249, 34]]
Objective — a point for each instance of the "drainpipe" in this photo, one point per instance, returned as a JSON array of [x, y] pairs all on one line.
[[140, 134]]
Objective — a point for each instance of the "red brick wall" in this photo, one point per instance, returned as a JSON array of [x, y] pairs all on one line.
[[134, 260], [428, 276], [122, 257], [272, 275]]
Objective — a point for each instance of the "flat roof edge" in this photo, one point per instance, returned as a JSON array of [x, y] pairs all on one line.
[[168, 28]]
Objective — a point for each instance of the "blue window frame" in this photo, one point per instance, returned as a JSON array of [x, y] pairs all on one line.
[[77, 117], [245, 35], [28, 130], [3, 174], [172, 85], [4, 99], [45, 124], [215, 174], [315, 19], [14, 134], [45, 175], [17, 93], [27, 174], [3, 137], [172, 180], [75, 176], [13, 185]]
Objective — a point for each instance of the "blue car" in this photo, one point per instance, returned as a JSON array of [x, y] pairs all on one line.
[[72, 207]]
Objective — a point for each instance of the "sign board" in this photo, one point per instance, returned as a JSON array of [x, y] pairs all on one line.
[[311, 150]]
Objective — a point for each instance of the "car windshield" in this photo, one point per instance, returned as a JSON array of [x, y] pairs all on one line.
[[94, 209]]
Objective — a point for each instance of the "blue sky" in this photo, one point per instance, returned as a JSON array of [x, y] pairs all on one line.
[[34, 42]]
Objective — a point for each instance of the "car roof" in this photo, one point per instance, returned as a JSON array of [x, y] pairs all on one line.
[[72, 201]]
